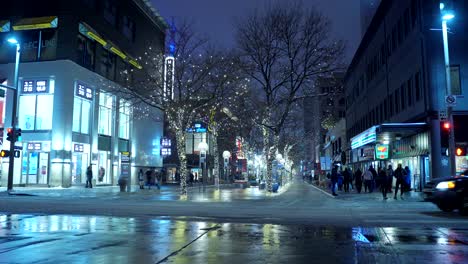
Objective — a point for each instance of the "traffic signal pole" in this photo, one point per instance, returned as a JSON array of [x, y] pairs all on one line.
[[11, 164]]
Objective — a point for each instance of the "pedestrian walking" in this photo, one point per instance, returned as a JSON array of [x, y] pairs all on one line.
[[148, 178], [141, 179], [368, 180], [347, 179], [407, 179], [334, 180], [390, 175], [400, 176], [89, 177], [382, 177], [156, 180], [358, 180], [374, 177]]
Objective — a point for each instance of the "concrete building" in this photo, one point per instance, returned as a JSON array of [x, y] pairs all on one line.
[[320, 113], [76, 58], [395, 89], [368, 9]]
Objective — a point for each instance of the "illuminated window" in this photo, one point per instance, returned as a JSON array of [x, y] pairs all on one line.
[[82, 108], [124, 119], [36, 105], [106, 103]]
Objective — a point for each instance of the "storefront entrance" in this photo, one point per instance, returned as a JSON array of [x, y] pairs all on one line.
[[79, 164], [35, 168]]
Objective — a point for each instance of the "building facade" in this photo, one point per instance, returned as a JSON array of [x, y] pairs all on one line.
[[321, 113], [77, 58], [395, 89]]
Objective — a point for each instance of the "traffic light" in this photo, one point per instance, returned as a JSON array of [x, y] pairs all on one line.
[[18, 134], [460, 151], [444, 136], [10, 134], [4, 153]]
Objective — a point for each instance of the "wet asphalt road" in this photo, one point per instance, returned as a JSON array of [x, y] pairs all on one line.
[[92, 239]]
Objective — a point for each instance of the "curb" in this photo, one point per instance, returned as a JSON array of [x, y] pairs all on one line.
[[327, 193]]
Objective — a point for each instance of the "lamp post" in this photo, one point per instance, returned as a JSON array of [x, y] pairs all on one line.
[[203, 147], [11, 164], [226, 156], [448, 15]]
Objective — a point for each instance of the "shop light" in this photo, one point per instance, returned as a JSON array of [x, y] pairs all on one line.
[[118, 53]]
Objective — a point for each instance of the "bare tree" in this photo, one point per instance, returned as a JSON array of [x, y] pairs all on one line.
[[199, 78], [283, 49]]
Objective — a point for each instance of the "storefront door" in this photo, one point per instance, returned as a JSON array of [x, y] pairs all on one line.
[[35, 169], [79, 162]]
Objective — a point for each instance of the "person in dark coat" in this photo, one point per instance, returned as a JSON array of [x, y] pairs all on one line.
[[374, 177], [400, 176], [148, 178], [347, 179], [382, 178], [358, 180], [89, 177], [390, 175], [334, 179]]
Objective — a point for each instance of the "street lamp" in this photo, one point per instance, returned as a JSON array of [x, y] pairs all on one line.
[[226, 156], [11, 164], [203, 147], [447, 15]]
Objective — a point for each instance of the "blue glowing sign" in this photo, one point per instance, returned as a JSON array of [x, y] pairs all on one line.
[[364, 138]]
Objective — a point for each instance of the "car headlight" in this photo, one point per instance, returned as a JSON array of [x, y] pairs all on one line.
[[446, 185]]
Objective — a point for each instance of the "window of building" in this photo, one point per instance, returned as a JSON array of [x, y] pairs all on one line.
[[455, 79], [106, 105], [409, 89], [394, 38], [108, 64], [396, 101], [417, 86], [407, 21], [124, 119], [110, 12], [128, 27], [36, 105], [414, 12], [386, 116], [82, 108], [86, 52], [403, 97], [400, 31]]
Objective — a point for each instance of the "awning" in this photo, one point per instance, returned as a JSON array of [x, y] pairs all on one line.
[[36, 23], [392, 131], [387, 132], [4, 26]]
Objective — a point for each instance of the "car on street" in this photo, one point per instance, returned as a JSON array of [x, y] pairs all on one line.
[[448, 193]]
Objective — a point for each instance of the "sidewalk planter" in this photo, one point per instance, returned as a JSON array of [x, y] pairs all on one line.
[[275, 187], [123, 184]]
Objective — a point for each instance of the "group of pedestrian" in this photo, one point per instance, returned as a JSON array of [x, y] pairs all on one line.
[[151, 179], [371, 179]]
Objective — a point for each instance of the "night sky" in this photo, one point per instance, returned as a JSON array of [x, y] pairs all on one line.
[[215, 17]]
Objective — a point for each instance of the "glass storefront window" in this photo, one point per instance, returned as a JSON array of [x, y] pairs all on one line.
[[35, 112], [81, 112], [105, 114], [124, 120]]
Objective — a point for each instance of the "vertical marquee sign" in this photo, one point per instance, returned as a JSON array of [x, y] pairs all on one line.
[[169, 77]]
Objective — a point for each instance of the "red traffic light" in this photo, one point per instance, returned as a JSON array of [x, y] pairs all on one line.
[[446, 125]]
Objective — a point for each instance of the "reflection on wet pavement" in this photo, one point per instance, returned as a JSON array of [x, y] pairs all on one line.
[[92, 239]]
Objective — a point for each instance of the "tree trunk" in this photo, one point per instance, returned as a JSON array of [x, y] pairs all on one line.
[[216, 158], [180, 138]]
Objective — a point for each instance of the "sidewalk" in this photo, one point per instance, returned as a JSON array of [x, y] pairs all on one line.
[[376, 195], [198, 192]]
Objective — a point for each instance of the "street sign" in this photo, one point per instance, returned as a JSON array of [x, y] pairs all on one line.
[[450, 100], [442, 115]]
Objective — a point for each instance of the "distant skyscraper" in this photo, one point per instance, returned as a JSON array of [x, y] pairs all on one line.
[[368, 8]]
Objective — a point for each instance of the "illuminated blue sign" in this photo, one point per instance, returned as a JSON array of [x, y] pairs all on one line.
[[364, 138], [197, 128]]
